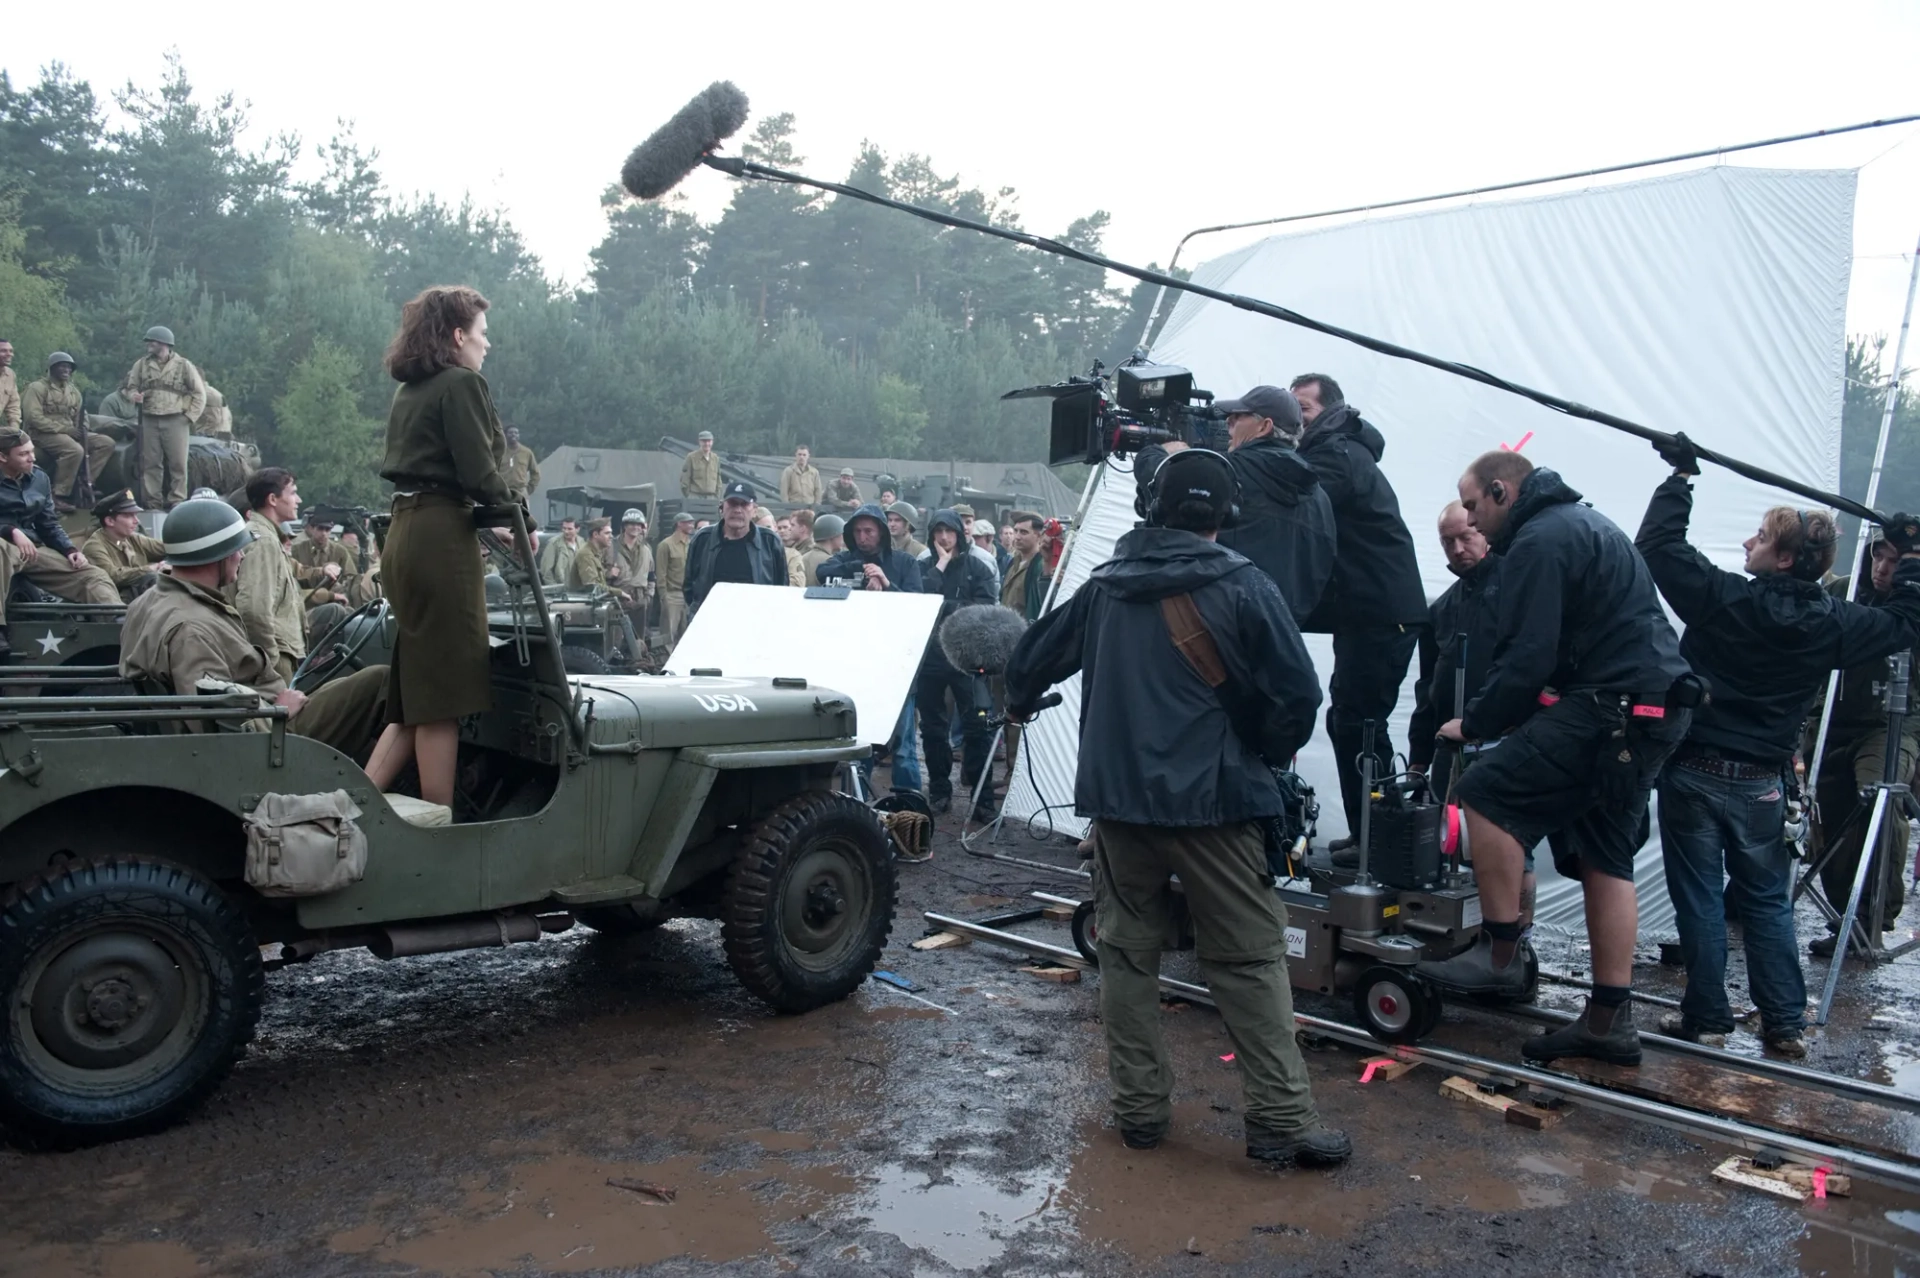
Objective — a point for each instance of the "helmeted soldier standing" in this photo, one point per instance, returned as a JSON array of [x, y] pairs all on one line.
[[52, 409], [171, 395], [118, 547]]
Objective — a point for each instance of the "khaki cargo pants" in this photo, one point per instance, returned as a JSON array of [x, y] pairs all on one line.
[[1239, 929], [59, 455], [673, 617], [50, 571], [163, 459], [347, 714], [1849, 768]]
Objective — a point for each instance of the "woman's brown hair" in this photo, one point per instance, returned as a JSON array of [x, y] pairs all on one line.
[[1810, 536], [424, 344]]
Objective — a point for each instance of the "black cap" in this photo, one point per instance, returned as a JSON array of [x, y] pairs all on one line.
[[1196, 475], [1267, 401], [738, 491]]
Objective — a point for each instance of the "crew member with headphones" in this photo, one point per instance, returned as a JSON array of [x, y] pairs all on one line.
[[1764, 642], [1193, 679]]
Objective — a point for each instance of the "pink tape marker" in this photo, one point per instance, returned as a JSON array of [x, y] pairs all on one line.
[[1819, 1182], [1373, 1067], [1514, 448], [1228, 1058]]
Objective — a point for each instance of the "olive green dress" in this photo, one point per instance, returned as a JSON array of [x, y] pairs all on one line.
[[445, 453]]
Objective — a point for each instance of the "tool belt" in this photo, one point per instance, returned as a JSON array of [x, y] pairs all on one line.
[[1710, 764]]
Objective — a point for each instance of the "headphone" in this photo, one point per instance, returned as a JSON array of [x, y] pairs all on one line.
[[1497, 491], [1157, 485]]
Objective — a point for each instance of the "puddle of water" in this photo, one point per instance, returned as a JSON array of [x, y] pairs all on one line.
[[105, 1260], [964, 1218], [1902, 1069]]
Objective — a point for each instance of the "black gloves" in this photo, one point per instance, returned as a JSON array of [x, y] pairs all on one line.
[[1678, 453]]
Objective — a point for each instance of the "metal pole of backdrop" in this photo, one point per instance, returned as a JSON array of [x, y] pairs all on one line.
[[1860, 542]]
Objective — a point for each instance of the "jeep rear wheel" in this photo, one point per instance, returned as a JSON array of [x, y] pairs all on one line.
[[809, 902], [581, 661], [131, 988]]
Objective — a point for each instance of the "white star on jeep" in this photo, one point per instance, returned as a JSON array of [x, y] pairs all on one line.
[[50, 644]]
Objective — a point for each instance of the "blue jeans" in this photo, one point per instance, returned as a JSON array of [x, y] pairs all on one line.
[[906, 761], [1718, 828]]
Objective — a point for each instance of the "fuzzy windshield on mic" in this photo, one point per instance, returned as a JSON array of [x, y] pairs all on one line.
[[657, 165], [982, 637]]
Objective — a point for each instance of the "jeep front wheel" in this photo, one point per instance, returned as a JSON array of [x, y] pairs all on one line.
[[809, 902], [131, 988]]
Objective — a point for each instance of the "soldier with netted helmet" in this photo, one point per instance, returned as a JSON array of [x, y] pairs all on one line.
[[171, 395], [184, 632], [54, 415]]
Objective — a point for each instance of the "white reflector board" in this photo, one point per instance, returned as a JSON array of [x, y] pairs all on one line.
[[866, 646]]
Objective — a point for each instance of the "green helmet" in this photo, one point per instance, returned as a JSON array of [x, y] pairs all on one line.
[[496, 589], [60, 357], [203, 532], [160, 333]]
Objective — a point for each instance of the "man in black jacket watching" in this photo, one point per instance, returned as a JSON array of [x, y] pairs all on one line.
[[951, 570], [735, 549], [1178, 785], [1589, 696], [869, 559], [1286, 522], [1374, 606], [1764, 642]]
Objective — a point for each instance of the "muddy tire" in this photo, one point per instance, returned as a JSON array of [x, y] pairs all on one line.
[[809, 901], [131, 988], [624, 919], [582, 661], [1395, 1005]]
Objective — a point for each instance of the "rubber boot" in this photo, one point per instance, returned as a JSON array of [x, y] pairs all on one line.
[[1620, 1045], [1471, 971], [1677, 1026], [1316, 1146]]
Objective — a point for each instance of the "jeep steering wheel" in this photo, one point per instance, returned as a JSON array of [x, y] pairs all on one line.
[[328, 653]]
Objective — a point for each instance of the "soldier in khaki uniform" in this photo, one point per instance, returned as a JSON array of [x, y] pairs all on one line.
[[266, 591], [216, 419], [796, 572], [700, 475], [171, 395], [322, 564], [52, 411], [670, 574], [120, 549], [590, 566], [184, 630], [9, 390], [845, 494], [523, 469], [800, 483], [555, 559], [630, 566]]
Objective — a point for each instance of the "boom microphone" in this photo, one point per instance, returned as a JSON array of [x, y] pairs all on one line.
[[982, 637], [656, 166]]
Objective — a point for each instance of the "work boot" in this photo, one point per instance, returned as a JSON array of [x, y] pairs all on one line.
[[1687, 1032], [1619, 1045], [1142, 1138], [1315, 1146], [1472, 971], [1344, 854], [940, 804], [1787, 1043]]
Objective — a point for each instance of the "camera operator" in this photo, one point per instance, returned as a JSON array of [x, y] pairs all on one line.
[[1589, 691], [1374, 606], [1763, 642], [1198, 812], [1286, 519]]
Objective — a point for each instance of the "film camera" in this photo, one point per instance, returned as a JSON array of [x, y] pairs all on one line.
[[1134, 406]]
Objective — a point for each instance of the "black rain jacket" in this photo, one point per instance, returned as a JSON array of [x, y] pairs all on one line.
[[1156, 744], [1578, 612], [766, 554], [1376, 579], [966, 580], [902, 572], [1765, 645], [1470, 606]]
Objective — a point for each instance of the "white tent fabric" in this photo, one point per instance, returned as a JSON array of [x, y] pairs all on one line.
[[1712, 302]]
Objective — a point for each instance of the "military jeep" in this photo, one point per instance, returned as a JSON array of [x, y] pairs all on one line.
[[132, 947]]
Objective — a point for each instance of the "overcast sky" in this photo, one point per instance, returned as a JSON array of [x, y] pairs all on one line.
[[1168, 116]]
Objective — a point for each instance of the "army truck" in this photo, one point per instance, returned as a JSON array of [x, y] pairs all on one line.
[[139, 916]]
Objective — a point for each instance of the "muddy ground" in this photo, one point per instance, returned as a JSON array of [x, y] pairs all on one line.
[[464, 1114]]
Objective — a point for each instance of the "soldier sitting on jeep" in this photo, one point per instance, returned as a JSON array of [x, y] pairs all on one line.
[[183, 631]]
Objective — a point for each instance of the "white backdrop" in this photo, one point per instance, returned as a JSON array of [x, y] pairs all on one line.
[[1712, 302]]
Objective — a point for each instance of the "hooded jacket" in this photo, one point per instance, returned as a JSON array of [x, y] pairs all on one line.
[[766, 553], [967, 579], [1578, 612], [1470, 607], [1286, 524], [1156, 744], [902, 572], [1764, 644], [1376, 579]]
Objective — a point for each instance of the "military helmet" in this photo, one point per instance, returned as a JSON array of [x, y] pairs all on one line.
[[827, 527], [203, 532], [634, 515], [208, 493], [160, 333], [497, 589], [60, 357], [906, 511]]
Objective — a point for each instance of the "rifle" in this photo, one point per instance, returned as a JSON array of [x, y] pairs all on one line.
[[83, 496]]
